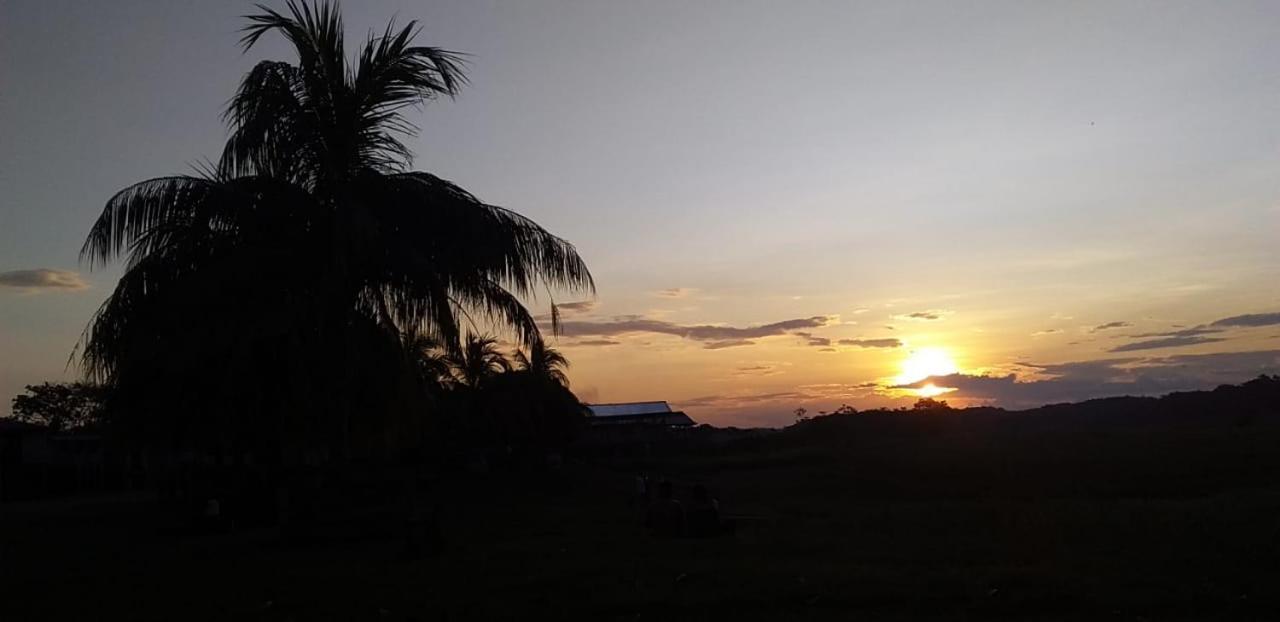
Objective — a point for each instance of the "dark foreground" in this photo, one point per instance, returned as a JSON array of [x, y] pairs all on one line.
[[949, 516]]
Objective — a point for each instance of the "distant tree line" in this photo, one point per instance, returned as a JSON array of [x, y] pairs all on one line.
[[62, 406]]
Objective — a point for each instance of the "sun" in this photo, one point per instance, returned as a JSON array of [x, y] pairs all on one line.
[[924, 363]]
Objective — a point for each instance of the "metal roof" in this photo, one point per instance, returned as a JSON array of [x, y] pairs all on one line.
[[629, 408], [672, 419]]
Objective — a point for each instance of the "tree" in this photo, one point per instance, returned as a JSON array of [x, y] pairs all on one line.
[[264, 300], [545, 363], [479, 361], [928, 403], [432, 362], [61, 406]]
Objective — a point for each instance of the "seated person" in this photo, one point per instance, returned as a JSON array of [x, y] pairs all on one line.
[[704, 515], [666, 515]]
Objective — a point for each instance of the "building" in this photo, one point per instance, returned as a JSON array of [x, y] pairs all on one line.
[[657, 414], [642, 425]]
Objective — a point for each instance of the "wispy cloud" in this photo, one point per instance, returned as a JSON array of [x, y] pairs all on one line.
[[1194, 331], [1109, 326], [891, 342], [1165, 342], [813, 341], [1250, 320], [930, 315], [595, 342], [1203, 333], [728, 343], [43, 279], [579, 306], [674, 292], [714, 337], [758, 370]]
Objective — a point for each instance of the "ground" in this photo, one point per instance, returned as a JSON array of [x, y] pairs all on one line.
[[828, 531]]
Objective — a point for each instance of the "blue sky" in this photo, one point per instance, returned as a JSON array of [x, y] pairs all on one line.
[[1027, 171]]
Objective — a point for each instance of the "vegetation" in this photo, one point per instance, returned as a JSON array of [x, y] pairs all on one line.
[[278, 302], [61, 406], [1135, 508], [490, 399]]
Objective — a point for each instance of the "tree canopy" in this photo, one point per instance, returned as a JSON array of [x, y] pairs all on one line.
[[276, 289], [61, 406]]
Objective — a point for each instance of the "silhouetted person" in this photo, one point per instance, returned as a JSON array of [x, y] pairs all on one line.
[[641, 492], [704, 514], [666, 515]]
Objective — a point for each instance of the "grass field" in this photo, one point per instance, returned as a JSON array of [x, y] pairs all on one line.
[[935, 522]]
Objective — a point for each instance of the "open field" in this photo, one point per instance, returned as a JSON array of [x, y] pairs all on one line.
[[927, 520]]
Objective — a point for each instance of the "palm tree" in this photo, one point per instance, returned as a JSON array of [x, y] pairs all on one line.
[[479, 361], [272, 289], [432, 362], [544, 362], [544, 413]]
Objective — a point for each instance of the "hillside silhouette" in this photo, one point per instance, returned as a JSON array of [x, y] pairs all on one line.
[[1180, 444]]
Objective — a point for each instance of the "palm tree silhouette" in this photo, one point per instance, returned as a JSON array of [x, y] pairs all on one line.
[[432, 362], [544, 363], [282, 277], [480, 360]]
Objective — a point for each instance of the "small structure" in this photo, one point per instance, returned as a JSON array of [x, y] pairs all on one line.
[[657, 414], [640, 425]]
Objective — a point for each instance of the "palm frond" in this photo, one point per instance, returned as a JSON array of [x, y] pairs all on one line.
[[138, 209], [506, 247], [272, 133], [390, 75]]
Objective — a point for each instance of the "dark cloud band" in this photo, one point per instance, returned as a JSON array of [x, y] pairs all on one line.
[[42, 278]]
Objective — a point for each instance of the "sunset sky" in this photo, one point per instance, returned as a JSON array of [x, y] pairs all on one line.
[[784, 204]]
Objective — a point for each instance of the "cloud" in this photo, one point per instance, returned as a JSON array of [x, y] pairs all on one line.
[[1109, 326], [595, 342], [1082, 380], [813, 341], [729, 401], [930, 315], [1197, 334], [1165, 342], [1185, 332], [674, 292], [580, 306], [1173, 339], [757, 370], [1250, 320], [43, 278], [729, 343], [872, 343], [1051, 331], [715, 337]]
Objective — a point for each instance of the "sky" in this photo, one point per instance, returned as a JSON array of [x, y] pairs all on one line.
[[784, 205]]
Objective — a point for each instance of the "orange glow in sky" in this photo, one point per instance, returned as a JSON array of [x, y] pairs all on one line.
[[924, 363], [931, 390]]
